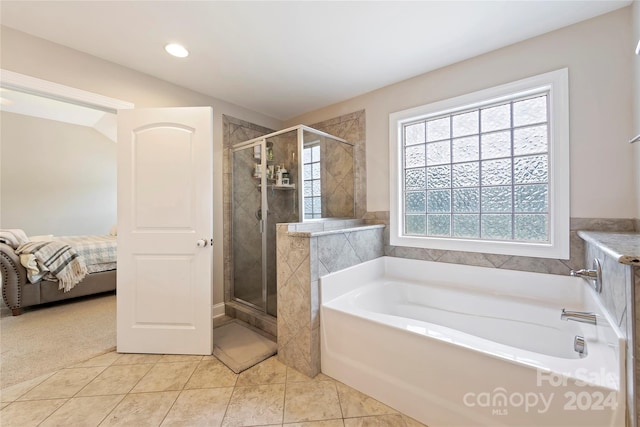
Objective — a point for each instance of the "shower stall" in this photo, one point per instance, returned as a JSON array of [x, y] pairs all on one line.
[[293, 175]]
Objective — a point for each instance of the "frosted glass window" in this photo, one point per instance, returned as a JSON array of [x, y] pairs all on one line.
[[465, 124], [466, 174], [530, 140], [415, 179], [496, 172], [466, 200], [438, 129], [414, 156], [486, 174], [530, 111], [439, 177], [466, 149], [534, 227], [415, 202], [496, 118], [415, 225], [439, 201], [438, 153], [439, 225], [415, 134], [466, 226], [495, 145], [312, 182], [497, 199]]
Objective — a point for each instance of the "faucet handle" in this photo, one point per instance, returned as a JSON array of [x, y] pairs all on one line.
[[595, 274], [591, 274]]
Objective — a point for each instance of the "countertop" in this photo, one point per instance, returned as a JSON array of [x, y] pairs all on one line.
[[625, 247]]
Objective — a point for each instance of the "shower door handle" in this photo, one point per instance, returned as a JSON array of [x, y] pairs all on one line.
[[201, 243]]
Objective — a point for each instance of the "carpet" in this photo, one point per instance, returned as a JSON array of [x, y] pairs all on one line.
[[54, 336], [239, 347]]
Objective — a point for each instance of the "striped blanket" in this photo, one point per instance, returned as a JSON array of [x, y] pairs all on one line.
[[99, 253], [56, 258]]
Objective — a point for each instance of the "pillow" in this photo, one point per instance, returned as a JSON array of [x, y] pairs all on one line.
[[13, 237], [114, 230]]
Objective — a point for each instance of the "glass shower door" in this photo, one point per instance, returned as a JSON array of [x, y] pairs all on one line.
[[247, 251]]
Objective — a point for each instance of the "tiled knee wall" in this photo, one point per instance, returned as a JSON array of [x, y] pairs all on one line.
[[306, 252], [620, 287]]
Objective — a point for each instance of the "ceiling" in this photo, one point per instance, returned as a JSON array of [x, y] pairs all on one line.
[[283, 59]]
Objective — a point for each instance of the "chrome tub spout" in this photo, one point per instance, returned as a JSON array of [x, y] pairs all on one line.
[[579, 316]]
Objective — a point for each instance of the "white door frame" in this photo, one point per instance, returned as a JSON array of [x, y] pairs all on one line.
[[36, 86]]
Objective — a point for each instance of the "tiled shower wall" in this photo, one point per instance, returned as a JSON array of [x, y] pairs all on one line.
[[618, 283], [352, 127], [337, 178]]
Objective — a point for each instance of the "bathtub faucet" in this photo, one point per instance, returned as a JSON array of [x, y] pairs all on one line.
[[594, 276], [579, 316]]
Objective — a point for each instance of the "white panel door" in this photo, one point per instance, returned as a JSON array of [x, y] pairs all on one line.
[[165, 229]]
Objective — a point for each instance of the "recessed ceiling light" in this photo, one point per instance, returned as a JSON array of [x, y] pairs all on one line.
[[176, 50]]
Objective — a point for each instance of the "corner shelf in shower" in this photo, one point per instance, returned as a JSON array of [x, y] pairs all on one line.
[[279, 187]]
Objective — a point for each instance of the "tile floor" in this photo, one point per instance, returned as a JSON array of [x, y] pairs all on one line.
[[164, 390]]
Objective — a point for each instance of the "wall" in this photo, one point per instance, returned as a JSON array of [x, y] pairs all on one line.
[[39, 58], [307, 252], [635, 8], [600, 108], [56, 178]]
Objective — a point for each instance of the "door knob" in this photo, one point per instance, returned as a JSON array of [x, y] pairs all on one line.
[[201, 243]]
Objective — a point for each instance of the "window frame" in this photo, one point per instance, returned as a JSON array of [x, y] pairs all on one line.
[[556, 84], [313, 214]]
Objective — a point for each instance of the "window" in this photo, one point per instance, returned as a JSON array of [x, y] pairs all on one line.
[[312, 193], [485, 172]]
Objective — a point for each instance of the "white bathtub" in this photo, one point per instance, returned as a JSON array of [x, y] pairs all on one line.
[[454, 345]]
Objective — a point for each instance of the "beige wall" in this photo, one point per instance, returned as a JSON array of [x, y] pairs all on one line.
[[56, 178], [636, 96], [39, 58], [597, 55]]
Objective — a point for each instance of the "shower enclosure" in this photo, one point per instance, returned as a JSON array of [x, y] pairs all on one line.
[[292, 175]]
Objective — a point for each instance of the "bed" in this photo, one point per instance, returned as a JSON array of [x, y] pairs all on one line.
[[94, 258]]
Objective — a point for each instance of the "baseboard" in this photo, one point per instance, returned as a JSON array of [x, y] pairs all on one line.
[[218, 310]]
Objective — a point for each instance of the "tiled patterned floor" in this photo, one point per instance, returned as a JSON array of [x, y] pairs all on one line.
[[163, 390]]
